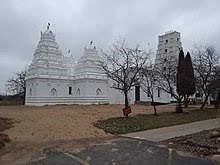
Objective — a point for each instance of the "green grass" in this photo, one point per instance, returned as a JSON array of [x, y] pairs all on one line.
[[122, 125], [5, 123]]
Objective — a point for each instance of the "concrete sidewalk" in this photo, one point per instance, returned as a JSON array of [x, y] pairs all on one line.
[[165, 133]]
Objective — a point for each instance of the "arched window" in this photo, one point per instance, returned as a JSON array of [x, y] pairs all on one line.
[[53, 92], [98, 91], [30, 92], [78, 92]]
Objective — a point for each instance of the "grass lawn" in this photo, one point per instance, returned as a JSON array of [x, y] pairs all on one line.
[[122, 125]]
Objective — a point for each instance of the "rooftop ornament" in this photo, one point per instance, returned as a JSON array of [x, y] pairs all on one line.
[[48, 26]]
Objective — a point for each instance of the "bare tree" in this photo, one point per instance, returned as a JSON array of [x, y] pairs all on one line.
[[123, 65], [148, 84], [205, 64], [166, 81], [16, 85]]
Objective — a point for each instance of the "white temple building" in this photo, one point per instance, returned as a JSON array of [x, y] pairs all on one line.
[[53, 78]]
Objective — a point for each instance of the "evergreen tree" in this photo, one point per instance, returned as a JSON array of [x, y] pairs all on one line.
[[180, 80], [189, 80]]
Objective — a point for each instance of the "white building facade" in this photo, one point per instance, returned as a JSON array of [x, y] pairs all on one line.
[[53, 78]]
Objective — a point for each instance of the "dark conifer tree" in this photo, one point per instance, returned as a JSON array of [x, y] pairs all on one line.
[[180, 80], [189, 80]]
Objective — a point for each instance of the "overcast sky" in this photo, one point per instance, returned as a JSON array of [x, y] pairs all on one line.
[[76, 22]]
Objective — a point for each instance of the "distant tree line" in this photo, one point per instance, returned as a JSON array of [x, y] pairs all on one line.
[[17, 86]]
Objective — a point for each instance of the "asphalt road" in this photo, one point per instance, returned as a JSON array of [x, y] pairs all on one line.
[[121, 151]]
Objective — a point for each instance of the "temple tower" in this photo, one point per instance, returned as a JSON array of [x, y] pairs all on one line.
[[49, 77], [47, 59], [168, 48], [90, 79]]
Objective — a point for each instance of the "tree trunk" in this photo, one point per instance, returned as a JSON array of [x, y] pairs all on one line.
[[179, 108], [186, 101], [204, 102], [153, 103], [126, 99]]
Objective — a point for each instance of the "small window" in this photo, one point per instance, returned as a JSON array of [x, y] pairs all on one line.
[[53, 92], [30, 92], [148, 91], [70, 90], [165, 51], [98, 91], [158, 92], [78, 92], [164, 68], [177, 39], [166, 41], [165, 59]]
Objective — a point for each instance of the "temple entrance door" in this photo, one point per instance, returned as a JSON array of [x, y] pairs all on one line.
[[137, 93]]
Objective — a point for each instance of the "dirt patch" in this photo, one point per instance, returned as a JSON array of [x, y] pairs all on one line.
[[205, 143], [63, 122], [5, 123], [37, 128]]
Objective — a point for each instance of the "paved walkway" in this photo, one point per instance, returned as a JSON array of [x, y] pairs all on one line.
[[165, 133]]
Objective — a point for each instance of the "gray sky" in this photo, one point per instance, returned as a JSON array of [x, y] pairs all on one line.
[[76, 22]]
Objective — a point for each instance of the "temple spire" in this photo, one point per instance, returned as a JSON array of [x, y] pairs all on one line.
[[48, 26], [91, 45]]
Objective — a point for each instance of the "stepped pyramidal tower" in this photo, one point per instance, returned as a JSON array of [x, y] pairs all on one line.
[[168, 48], [48, 59]]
